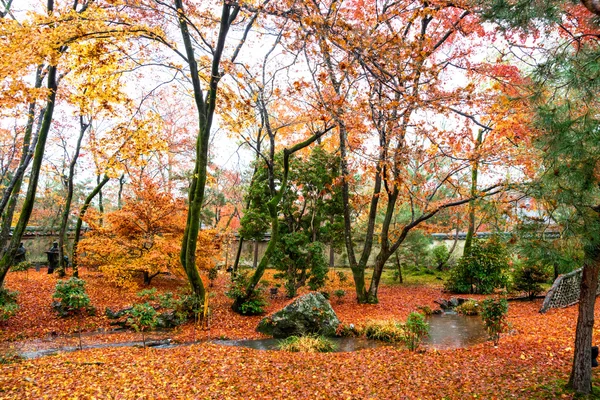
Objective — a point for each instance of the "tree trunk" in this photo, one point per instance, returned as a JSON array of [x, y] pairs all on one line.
[[255, 260], [238, 254], [581, 373], [120, 194], [86, 205], [100, 201], [62, 264], [7, 259], [14, 190], [399, 266], [474, 174]]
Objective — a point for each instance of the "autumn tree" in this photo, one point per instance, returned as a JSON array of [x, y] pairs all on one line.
[[381, 71], [42, 43], [144, 237]]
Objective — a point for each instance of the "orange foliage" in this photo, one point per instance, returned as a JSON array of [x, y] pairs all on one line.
[[144, 236], [532, 361]]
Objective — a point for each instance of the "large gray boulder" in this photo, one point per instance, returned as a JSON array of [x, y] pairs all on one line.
[[308, 314]]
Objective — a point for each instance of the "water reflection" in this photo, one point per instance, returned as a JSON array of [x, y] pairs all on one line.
[[452, 331]]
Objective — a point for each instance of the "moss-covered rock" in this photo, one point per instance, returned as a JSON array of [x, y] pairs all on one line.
[[308, 314]]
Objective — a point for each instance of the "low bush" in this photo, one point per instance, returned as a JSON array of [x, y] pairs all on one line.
[[307, 344], [482, 270], [387, 331], [349, 330], [255, 303], [8, 303], [340, 293], [469, 307], [22, 266], [72, 298], [494, 313], [528, 279], [415, 330]]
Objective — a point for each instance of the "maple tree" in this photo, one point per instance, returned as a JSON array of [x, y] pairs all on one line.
[[142, 237], [56, 36], [391, 100]]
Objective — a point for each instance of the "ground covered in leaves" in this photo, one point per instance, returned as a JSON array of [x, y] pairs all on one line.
[[532, 361]]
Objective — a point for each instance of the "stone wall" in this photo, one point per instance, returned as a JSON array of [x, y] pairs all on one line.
[[565, 291]]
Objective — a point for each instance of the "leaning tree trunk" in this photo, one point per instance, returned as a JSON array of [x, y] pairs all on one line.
[[86, 205], [64, 222], [474, 175], [581, 373], [14, 188], [7, 259]]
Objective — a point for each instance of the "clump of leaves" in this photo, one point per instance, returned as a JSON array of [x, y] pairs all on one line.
[[347, 330], [494, 314], [142, 317], [528, 279], [300, 262], [307, 344], [415, 330], [22, 266], [8, 303], [253, 304], [426, 310], [440, 256], [212, 275], [482, 270], [469, 307], [385, 330], [339, 294], [72, 298]]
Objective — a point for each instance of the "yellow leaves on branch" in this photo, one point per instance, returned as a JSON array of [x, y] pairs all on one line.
[[143, 237]]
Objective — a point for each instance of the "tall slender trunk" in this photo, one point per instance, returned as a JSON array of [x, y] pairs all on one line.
[[84, 207], [255, 260], [13, 190], [474, 174], [100, 200], [38, 157], [62, 264], [581, 373], [206, 108], [120, 194]]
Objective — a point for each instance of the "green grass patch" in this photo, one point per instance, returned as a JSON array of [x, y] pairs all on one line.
[[307, 344]]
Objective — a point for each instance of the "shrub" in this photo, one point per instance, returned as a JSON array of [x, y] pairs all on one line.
[[299, 262], [482, 270], [415, 330], [142, 317], [342, 277], [469, 307], [8, 303], [494, 313], [72, 297], [150, 294], [22, 266], [440, 255], [386, 331], [308, 344], [426, 310], [253, 304], [340, 293], [527, 278]]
